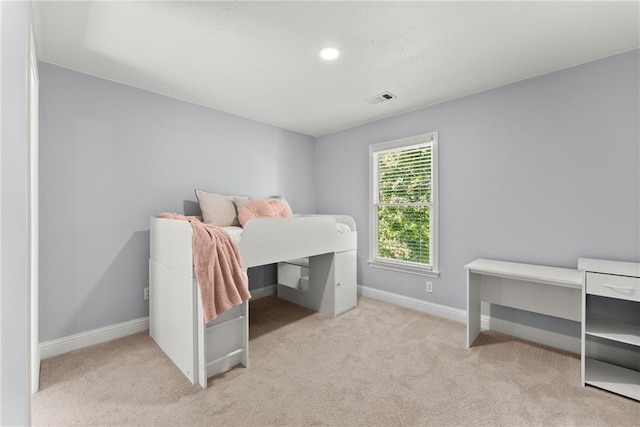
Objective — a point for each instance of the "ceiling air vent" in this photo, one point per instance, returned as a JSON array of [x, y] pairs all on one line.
[[381, 97]]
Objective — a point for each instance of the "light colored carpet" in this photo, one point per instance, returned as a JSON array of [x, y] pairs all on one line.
[[378, 365]]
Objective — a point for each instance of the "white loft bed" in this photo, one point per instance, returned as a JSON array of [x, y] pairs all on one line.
[[175, 311]]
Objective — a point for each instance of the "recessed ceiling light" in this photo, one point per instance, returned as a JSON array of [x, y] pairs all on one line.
[[329, 53]]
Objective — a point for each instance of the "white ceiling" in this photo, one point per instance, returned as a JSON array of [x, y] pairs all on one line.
[[260, 59]]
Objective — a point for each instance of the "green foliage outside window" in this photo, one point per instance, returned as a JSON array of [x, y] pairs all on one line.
[[404, 196]]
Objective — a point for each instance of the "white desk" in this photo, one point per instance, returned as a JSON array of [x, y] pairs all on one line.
[[547, 290]]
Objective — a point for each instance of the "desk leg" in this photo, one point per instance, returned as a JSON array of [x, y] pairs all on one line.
[[473, 307]]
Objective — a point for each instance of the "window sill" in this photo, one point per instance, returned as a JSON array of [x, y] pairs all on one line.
[[421, 271]]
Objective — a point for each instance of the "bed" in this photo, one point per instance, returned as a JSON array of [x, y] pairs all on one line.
[[327, 243]]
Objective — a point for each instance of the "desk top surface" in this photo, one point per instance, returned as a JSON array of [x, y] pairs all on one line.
[[537, 273]]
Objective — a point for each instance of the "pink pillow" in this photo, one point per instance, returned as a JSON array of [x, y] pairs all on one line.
[[258, 208]]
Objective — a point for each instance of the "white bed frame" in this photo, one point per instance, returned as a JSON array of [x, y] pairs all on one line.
[[176, 323]]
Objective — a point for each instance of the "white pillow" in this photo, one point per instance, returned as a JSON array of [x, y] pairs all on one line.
[[219, 209]]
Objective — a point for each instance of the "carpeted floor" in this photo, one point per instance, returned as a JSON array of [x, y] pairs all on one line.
[[378, 365]]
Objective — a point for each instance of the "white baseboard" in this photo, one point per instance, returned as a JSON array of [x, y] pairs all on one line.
[[414, 303], [89, 338], [568, 343], [108, 333], [263, 292], [529, 333]]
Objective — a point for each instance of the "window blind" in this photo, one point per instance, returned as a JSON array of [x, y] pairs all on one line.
[[402, 193]]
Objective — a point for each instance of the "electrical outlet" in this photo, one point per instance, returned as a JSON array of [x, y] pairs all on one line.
[[146, 293], [429, 287]]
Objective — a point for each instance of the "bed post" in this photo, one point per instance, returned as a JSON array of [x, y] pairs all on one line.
[[202, 344], [244, 359]]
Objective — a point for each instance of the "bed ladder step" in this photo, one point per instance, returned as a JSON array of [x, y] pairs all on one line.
[[212, 326], [226, 356], [225, 362], [223, 343]]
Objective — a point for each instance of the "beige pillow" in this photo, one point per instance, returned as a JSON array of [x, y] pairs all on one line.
[[218, 209]]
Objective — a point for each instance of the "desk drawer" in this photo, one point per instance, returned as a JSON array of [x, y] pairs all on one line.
[[608, 285]]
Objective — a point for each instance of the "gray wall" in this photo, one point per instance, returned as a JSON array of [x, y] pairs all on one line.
[[111, 156], [14, 354], [542, 171]]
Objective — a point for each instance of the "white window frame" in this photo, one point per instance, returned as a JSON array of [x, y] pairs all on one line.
[[406, 266]]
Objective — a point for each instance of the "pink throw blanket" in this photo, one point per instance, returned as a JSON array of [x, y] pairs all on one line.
[[218, 268]]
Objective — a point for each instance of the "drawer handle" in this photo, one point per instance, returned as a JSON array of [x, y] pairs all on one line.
[[619, 288]]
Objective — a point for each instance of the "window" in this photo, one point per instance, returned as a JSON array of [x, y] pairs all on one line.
[[404, 204]]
